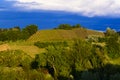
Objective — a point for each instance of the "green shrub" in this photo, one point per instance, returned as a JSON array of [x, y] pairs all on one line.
[[13, 58], [113, 46], [46, 44]]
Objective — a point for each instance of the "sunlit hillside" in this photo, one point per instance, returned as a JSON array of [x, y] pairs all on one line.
[[59, 34]]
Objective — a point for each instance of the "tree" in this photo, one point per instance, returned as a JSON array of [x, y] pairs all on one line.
[[64, 26], [113, 45], [109, 32], [79, 55], [57, 60], [29, 30], [77, 26]]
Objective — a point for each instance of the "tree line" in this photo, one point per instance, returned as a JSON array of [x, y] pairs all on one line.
[[14, 34], [68, 26]]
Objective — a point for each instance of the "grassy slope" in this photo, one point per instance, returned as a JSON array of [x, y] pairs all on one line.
[[58, 35], [27, 47], [50, 35]]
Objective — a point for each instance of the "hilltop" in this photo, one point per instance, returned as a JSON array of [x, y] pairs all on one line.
[[59, 54], [61, 35]]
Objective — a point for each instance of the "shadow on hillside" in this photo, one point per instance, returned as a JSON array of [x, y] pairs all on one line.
[[107, 72]]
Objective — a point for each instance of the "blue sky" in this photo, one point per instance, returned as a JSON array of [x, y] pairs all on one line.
[[47, 14]]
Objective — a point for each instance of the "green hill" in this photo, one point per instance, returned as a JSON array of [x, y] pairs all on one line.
[[48, 35], [59, 34]]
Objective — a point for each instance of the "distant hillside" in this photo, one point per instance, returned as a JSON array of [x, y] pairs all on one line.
[[59, 34]]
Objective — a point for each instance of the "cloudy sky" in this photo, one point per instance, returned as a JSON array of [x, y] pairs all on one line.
[[93, 14]]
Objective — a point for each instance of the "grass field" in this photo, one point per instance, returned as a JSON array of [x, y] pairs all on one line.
[[60, 35], [26, 47]]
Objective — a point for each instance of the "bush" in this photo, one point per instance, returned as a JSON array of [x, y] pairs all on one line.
[[14, 34], [46, 44], [68, 26], [113, 46], [16, 65], [14, 58]]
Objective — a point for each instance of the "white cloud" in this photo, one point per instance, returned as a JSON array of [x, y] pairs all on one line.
[[84, 7]]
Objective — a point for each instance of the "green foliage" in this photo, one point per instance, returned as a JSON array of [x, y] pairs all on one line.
[[46, 44], [10, 35], [16, 65], [109, 32], [14, 34], [58, 60], [63, 62], [82, 60], [29, 30], [113, 46], [64, 26], [13, 58], [77, 26], [81, 51], [102, 39], [19, 74], [68, 26], [98, 57], [11, 74], [41, 59], [35, 75]]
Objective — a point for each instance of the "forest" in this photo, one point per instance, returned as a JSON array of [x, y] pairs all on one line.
[[93, 58]]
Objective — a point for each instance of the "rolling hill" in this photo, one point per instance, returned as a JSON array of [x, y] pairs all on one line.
[[48, 35], [60, 34]]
